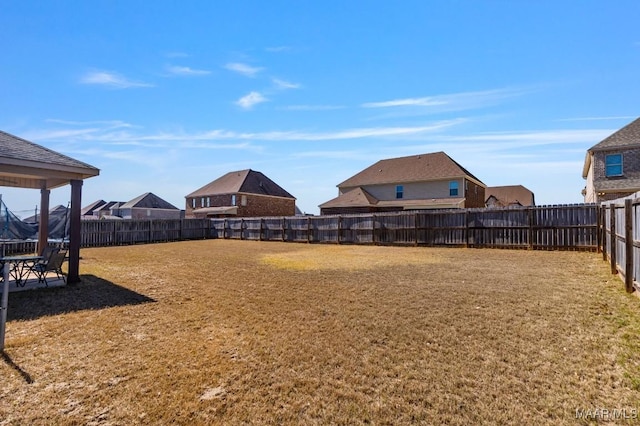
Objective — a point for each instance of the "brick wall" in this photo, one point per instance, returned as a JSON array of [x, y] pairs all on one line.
[[630, 164], [474, 195], [249, 205]]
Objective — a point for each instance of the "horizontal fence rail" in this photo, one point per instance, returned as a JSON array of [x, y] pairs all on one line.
[[100, 233], [566, 227], [620, 239], [569, 227]]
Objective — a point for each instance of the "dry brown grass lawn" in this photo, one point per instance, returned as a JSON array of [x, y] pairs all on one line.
[[238, 332]]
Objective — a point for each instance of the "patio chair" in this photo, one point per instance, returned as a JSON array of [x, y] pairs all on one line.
[[51, 264]]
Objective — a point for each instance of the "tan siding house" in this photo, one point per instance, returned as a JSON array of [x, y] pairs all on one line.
[[426, 181]]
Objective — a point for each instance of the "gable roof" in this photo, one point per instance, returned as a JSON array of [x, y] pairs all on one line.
[[148, 200], [26, 163], [628, 136], [248, 181], [356, 197], [510, 194], [414, 168], [88, 210]]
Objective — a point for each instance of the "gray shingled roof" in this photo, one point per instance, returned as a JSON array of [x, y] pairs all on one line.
[[21, 149], [628, 136], [247, 181], [148, 201], [415, 168]]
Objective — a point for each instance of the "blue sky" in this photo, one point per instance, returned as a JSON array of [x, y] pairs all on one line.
[[167, 96]]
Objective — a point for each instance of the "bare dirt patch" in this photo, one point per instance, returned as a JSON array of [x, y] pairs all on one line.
[[235, 332]]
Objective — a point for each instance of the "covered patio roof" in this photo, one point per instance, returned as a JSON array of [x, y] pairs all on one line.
[[24, 164]]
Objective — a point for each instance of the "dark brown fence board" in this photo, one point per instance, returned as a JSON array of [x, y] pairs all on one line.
[[573, 227]]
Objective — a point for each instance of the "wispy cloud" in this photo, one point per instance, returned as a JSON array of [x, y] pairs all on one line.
[[312, 107], [243, 69], [450, 102], [111, 79], [109, 123], [621, 117], [107, 134], [186, 71], [543, 137], [282, 84], [250, 100]]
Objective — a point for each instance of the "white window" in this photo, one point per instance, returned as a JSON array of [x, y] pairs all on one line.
[[243, 200], [233, 200]]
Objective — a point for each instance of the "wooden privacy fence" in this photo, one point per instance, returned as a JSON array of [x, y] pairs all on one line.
[[620, 241], [569, 227], [98, 233]]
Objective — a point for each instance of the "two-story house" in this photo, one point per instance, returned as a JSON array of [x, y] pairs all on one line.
[[612, 167], [426, 181], [244, 193]]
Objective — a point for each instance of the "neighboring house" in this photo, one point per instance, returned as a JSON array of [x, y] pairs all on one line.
[[105, 209], [86, 213], [509, 196], [146, 206], [427, 181], [612, 167], [243, 193]]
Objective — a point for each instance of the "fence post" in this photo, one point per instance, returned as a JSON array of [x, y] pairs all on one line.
[[284, 229], [339, 228], [308, 229], [530, 230], [613, 238], [261, 227], [628, 241], [603, 232], [373, 228], [415, 227], [151, 230], [224, 228], [241, 228], [466, 228], [598, 225]]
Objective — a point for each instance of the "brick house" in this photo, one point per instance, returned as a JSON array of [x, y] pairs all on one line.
[[612, 166], [243, 193], [417, 182], [509, 196]]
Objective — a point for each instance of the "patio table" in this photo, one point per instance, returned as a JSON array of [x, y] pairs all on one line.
[[20, 267]]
